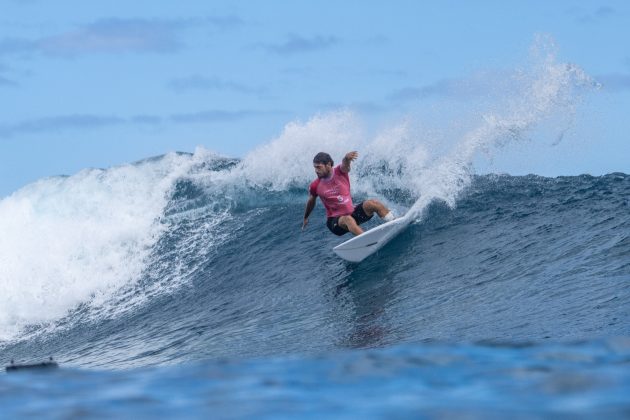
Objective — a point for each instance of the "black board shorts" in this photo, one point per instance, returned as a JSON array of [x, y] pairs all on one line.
[[358, 215]]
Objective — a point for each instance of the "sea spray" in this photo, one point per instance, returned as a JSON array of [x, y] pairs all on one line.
[[548, 88], [402, 157], [287, 161]]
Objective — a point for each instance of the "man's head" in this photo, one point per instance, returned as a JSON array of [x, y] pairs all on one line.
[[323, 163]]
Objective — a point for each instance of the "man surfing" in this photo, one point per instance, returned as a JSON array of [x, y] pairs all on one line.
[[332, 186]]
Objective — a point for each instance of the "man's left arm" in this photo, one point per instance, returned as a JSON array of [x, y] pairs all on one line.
[[347, 160]]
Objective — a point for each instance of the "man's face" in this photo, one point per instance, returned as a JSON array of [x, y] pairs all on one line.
[[322, 170]]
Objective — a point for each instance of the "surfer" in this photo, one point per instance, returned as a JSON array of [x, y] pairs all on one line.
[[332, 186]]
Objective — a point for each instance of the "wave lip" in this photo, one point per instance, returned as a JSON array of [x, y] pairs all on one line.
[[70, 241]]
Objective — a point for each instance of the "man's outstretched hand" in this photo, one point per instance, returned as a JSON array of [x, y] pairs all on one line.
[[350, 156], [347, 159]]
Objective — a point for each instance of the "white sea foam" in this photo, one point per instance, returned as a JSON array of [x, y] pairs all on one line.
[[72, 240]]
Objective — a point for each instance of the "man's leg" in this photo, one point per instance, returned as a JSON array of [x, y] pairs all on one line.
[[350, 224], [374, 206]]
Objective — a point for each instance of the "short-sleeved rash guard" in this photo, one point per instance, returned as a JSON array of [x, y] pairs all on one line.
[[334, 193]]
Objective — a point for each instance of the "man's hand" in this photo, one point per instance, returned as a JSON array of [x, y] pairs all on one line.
[[350, 156], [347, 159]]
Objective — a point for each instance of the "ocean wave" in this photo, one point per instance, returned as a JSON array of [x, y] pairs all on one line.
[[190, 255]]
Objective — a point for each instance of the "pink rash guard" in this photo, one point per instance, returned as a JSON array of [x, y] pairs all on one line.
[[334, 193]]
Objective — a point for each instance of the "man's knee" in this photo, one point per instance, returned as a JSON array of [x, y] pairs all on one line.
[[347, 222], [351, 225], [371, 205]]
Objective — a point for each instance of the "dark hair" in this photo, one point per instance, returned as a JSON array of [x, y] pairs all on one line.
[[324, 158]]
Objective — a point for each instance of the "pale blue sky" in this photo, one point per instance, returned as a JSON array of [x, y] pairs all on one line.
[[101, 83]]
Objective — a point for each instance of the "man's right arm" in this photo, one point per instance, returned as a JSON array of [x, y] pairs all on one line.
[[347, 160], [310, 205]]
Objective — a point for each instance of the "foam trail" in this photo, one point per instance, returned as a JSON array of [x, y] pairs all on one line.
[[399, 158], [549, 88]]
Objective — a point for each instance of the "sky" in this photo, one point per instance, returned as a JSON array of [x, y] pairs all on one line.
[[103, 83]]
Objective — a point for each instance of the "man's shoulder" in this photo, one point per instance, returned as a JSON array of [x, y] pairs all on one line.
[[313, 187], [338, 171]]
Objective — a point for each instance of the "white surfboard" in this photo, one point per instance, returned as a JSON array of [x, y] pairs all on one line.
[[360, 247]]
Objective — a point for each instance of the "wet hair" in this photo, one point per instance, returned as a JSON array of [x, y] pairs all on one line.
[[324, 158]]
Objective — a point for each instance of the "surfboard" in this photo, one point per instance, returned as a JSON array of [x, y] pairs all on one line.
[[360, 247]]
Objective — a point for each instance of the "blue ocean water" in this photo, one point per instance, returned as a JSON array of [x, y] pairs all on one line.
[[516, 300], [584, 380], [182, 285]]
